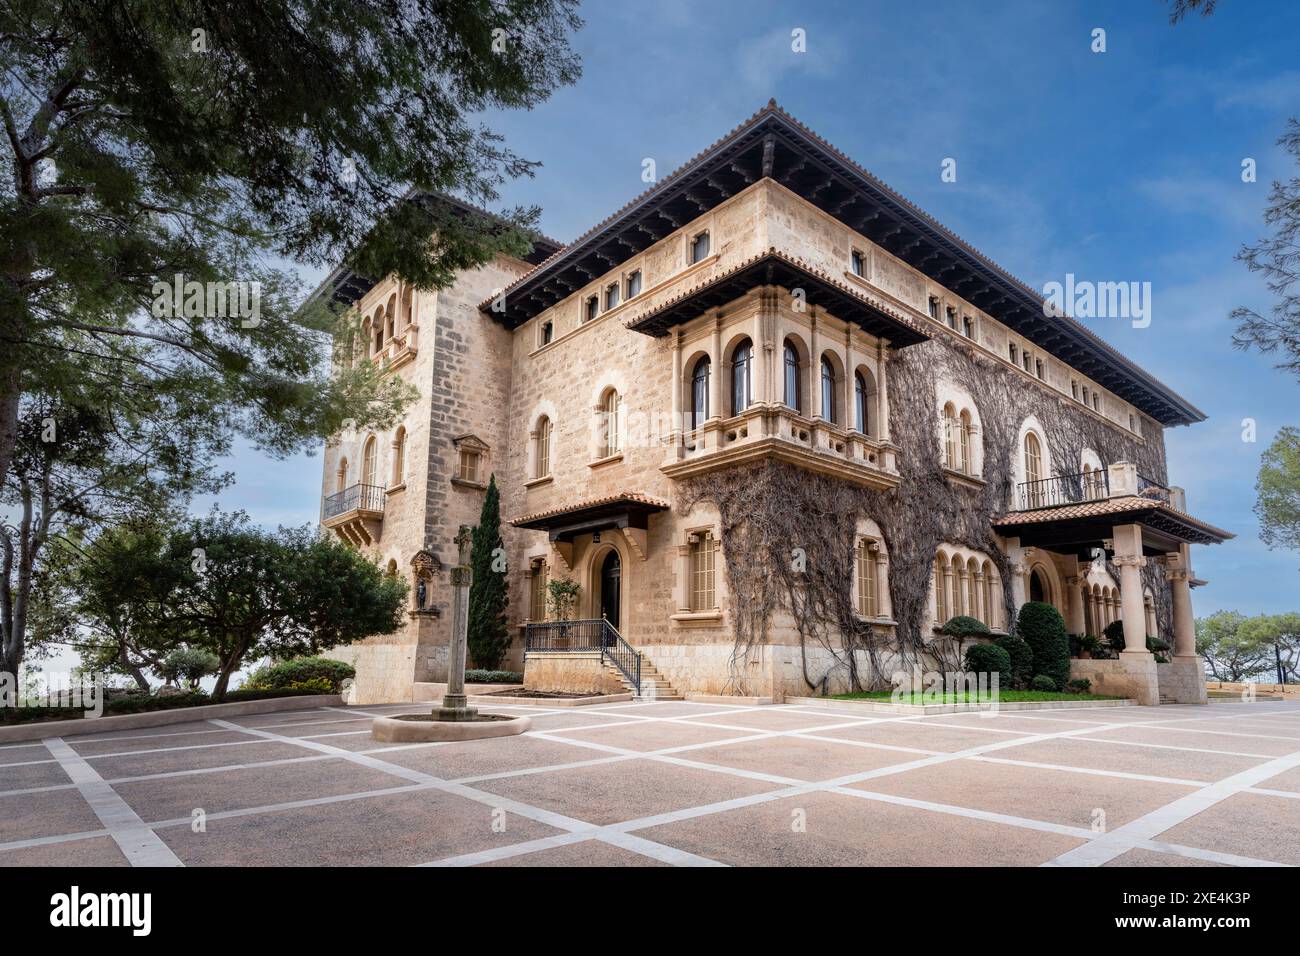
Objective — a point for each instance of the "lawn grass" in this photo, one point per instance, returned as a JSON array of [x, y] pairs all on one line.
[[919, 698]]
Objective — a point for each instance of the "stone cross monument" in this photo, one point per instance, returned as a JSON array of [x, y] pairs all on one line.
[[454, 705]]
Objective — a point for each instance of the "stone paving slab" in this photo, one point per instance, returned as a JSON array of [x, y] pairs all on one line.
[[847, 831], [393, 830], [683, 783]]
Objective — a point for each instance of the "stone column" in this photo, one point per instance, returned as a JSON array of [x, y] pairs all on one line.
[[716, 372], [850, 392], [454, 704], [762, 350], [1076, 624], [1179, 578], [815, 370], [678, 424], [882, 392], [1129, 560]]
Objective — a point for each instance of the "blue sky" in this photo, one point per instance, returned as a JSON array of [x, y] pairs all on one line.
[[1116, 166]]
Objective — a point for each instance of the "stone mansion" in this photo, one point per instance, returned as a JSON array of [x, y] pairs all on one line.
[[778, 425]]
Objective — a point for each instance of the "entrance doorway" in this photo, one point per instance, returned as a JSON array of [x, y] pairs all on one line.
[[611, 588]]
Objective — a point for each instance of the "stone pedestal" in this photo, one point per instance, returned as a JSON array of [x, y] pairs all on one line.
[[1183, 679], [1133, 676]]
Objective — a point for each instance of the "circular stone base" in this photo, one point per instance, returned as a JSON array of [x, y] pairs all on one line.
[[418, 728]]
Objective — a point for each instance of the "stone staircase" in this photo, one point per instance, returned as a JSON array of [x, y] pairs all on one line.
[[654, 686]]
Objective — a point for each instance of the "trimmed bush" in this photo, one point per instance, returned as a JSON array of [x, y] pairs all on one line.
[[1114, 635], [1043, 682], [1022, 659], [493, 677], [1043, 629], [1080, 685], [965, 627], [300, 670], [989, 659]]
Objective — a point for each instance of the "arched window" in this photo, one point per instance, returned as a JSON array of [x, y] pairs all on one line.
[[793, 398], [950, 441], [543, 451], [942, 609], [972, 575], [341, 480], [610, 414], [1037, 496], [379, 329], [964, 431], [368, 460], [1039, 588], [740, 362], [861, 398], [992, 596], [958, 592], [700, 392], [828, 390], [1149, 605], [399, 456], [868, 580], [408, 307]]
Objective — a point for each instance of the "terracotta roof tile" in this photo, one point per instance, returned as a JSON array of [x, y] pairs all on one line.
[[628, 497], [1126, 504]]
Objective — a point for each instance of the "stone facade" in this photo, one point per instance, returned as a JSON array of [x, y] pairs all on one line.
[[490, 388]]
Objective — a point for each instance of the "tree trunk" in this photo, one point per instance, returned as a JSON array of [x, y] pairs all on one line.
[[124, 659], [10, 393]]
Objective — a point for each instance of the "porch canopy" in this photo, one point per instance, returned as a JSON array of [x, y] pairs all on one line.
[[1134, 525], [627, 511], [1079, 528]]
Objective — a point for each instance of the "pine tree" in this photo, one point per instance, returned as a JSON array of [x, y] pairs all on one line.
[[488, 635]]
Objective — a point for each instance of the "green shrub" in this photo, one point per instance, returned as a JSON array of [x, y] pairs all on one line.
[[1080, 685], [963, 626], [1042, 682], [1156, 645], [298, 670], [1022, 658], [493, 677], [989, 659], [1114, 635], [1043, 629]]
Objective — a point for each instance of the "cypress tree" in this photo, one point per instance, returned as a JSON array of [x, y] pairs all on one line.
[[488, 634]]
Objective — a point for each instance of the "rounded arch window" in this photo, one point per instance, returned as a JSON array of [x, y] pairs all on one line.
[[399, 455], [950, 442], [828, 390], [862, 406], [611, 413], [1039, 589], [369, 460], [741, 359], [793, 398], [1033, 458], [542, 465], [700, 392]]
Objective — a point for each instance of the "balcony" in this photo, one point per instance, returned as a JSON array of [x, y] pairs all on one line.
[[355, 514], [1062, 490], [778, 433]]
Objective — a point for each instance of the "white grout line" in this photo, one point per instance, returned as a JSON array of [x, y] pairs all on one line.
[[139, 844], [1110, 845]]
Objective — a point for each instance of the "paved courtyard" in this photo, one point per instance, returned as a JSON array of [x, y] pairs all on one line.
[[672, 783]]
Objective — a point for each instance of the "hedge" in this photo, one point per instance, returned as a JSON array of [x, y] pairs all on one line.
[[298, 671], [989, 659], [963, 626], [479, 676], [1043, 629], [1022, 659], [141, 703]]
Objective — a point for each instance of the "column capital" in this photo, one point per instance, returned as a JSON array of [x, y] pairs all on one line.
[[1129, 561], [1177, 574]]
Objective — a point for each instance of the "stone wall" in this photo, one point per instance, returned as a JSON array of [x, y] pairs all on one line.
[[1183, 679], [572, 673], [1134, 677]]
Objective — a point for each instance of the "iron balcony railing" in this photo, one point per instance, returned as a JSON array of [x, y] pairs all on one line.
[[1147, 488], [591, 635], [358, 497], [1063, 490]]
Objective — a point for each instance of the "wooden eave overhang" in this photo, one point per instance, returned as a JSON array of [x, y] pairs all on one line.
[[776, 268], [624, 510], [346, 286], [774, 145], [1079, 527]]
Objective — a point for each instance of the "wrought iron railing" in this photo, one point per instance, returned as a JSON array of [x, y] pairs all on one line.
[[564, 636], [591, 635], [1063, 490], [626, 658], [1147, 488], [358, 497]]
